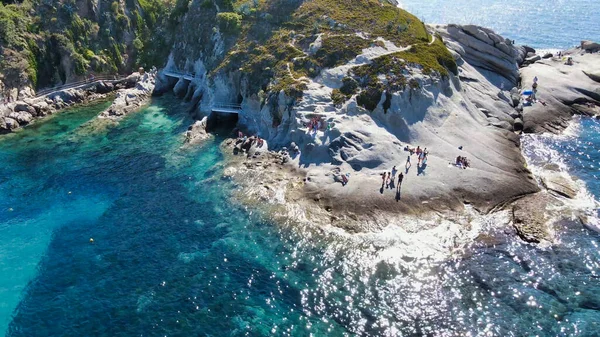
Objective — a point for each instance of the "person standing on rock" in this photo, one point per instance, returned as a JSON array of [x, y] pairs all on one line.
[[394, 171], [387, 181], [408, 164], [400, 178], [383, 179]]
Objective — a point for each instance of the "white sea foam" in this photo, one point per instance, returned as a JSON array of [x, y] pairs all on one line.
[[538, 152]]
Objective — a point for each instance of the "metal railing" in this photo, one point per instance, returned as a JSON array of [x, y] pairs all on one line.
[[177, 73], [231, 106], [79, 83]]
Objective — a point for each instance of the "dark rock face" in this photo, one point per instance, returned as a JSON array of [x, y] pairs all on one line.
[[590, 46], [518, 125], [22, 106], [104, 87]]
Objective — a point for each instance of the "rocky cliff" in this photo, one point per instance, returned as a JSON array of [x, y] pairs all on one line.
[[373, 79], [52, 42]]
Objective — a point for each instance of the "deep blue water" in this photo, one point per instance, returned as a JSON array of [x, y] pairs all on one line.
[[174, 255], [542, 24], [581, 153]]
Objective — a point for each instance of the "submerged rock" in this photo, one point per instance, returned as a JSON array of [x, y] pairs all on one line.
[[529, 218], [557, 183], [197, 132]]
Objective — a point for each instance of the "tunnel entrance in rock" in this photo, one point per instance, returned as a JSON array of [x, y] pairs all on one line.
[[221, 122]]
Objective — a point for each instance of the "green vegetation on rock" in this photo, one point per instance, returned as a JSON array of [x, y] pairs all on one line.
[[229, 21], [280, 42], [339, 49], [431, 57], [51, 42]]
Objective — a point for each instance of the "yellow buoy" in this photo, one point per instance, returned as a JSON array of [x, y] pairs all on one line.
[[91, 240]]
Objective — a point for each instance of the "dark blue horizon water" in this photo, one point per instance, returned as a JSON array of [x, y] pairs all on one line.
[[174, 255], [559, 24]]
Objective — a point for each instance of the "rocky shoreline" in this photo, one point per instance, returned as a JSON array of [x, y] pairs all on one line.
[[477, 111], [130, 94], [315, 193]]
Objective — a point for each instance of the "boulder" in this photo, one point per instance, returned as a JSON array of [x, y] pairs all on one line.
[[41, 108], [22, 106], [515, 114], [518, 125], [69, 96], [132, 79], [590, 46], [547, 56], [528, 49], [529, 218], [8, 124], [25, 92], [197, 132], [104, 87], [22, 117], [559, 184], [533, 59], [502, 124]]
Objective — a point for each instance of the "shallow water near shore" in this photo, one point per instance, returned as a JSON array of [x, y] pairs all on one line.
[[173, 255]]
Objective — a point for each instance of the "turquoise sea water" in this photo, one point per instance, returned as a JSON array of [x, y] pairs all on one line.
[[174, 256], [558, 24]]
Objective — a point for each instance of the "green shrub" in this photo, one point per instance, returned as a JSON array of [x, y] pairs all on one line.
[[114, 7], [338, 97], [80, 64], [123, 21], [138, 44], [370, 97], [349, 86], [339, 49], [88, 54], [206, 4], [229, 21]]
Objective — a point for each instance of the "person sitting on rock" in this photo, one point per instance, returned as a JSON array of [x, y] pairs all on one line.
[[569, 61], [344, 179]]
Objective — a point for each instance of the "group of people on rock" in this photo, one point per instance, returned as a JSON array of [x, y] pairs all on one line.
[[246, 142], [316, 123], [462, 162], [421, 156], [389, 179]]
